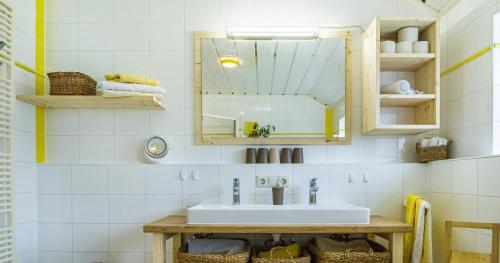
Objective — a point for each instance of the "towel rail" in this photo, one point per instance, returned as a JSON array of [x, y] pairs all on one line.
[[22, 66]]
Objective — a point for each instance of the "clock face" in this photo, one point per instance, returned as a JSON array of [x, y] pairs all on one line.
[[156, 147]]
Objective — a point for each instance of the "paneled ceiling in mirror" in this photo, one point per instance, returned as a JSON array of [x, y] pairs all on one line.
[[272, 91]]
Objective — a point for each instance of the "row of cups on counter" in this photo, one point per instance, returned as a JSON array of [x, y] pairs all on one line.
[[408, 42], [274, 155]]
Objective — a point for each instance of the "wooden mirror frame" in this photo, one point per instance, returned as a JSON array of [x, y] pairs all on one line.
[[198, 121]]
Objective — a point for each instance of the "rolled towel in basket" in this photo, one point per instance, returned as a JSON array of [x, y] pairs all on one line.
[[325, 244], [215, 246], [396, 87], [111, 85]]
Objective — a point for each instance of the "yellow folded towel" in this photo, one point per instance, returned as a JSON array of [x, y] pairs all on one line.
[[127, 78], [411, 206], [287, 252]]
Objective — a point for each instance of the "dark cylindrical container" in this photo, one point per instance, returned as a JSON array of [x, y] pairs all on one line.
[[298, 155], [286, 155], [251, 155], [263, 155], [278, 193]]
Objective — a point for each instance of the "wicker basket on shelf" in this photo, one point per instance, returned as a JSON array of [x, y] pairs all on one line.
[[434, 153], [71, 83], [184, 257], [304, 258], [378, 254]]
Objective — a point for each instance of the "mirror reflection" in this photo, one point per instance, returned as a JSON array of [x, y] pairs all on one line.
[[273, 88]]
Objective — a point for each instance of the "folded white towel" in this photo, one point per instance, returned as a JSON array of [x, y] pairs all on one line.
[[396, 87], [118, 86]]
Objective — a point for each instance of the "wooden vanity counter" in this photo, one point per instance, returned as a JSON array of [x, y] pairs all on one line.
[[175, 225]]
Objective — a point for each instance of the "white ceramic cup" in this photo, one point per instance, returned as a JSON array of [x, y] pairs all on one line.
[[409, 34], [388, 46], [421, 47], [404, 47]]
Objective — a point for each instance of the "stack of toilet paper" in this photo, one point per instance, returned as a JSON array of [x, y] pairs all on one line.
[[407, 43]]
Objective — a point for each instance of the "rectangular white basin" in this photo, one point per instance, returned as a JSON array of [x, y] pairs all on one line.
[[339, 213]]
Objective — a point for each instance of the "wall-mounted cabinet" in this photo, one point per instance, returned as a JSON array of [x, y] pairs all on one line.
[[399, 113]]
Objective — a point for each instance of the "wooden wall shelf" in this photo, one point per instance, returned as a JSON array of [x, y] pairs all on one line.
[[93, 102], [422, 110]]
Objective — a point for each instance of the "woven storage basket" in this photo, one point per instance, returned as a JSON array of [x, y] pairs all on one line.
[[184, 257], [378, 255], [429, 154], [305, 258], [71, 83]]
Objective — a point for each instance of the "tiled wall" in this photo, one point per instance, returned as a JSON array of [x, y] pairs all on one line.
[[467, 104], [467, 190], [95, 161], [24, 165], [96, 212]]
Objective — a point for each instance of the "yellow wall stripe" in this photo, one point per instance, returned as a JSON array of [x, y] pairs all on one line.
[[328, 122], [40, 81], [468, 60]]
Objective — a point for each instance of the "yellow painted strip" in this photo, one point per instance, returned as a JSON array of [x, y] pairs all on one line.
[[29, 69], [468, 60], [40, 80], [328, 122]]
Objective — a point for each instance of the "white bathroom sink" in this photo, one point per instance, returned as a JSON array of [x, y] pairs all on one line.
[[338, 213]]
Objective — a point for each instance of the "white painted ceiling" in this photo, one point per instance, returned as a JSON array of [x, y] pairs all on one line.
[[315, 68]]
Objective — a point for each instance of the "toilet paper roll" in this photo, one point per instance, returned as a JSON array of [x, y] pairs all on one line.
[[404, 47], [421, 47], [409, 34], [388, 46], [396, 87]]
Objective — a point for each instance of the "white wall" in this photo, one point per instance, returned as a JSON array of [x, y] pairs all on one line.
[[25, 169], [467, 94], [154, 37], [467, 190]]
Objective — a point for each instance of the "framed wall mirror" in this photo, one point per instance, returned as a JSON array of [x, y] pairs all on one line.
[[272, 90]]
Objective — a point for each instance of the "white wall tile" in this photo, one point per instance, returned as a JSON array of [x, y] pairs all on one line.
[[97, 149], [87, 63], [90, 209], [88, 13], [164, 180], [132, 62], [171, 11], [96, 122], [170, 122], [56, 257], [169, 65], [61, 11], [60, 61], [464, 208], [54, 209], [131, 122], [488, 179], [441, 204], [124, 41], [89, 257], [61, 149], [89, 180], [131, 11], [127, 180], [25, 238], [487, 209], [25, 208], [201, 153], [95, 37], [387, 205], [464, 177], [166, 37], [385, 178], [127, 209], [246, 175], [208, 182], [340, 183], [55, 237], [25, 177], [127, 258], [415, 180], [129, 149], [126, 238], [90, 237], [205, 11], [62, 37], [62, 122], [54, 179], [440, 177]]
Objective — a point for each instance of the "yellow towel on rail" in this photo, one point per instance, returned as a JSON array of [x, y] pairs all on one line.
[[411, 206], [127, 78]]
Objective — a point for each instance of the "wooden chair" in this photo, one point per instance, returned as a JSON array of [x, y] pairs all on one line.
[[454, 256]]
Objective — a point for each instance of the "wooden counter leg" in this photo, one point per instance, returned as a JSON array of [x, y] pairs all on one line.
[[396, 246], [159, 254], [176, 244]]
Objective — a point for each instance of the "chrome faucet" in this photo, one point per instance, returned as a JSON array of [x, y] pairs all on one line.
[[236, 191], [313, 188]]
